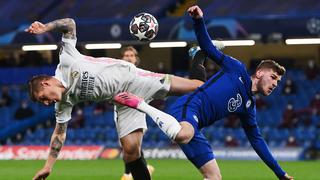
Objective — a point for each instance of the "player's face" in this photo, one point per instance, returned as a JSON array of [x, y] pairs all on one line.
[[48, 93], [268, 81], [130, 57]]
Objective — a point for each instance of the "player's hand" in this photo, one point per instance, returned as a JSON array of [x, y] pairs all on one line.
[[42, 174], [36, 28], [287, 177], [195, 12]]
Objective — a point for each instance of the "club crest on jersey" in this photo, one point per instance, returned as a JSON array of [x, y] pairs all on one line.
[[248, 104], [233, 103], [75, 74]]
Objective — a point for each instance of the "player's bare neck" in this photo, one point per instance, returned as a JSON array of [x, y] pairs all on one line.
[[254, 87]]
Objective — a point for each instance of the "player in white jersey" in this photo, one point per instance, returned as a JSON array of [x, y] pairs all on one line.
[[82, 78], [130, 54]]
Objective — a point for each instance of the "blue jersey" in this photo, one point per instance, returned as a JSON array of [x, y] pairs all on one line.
[[227, 92]]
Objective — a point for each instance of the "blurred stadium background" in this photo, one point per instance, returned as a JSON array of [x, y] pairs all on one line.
[[289, 119]]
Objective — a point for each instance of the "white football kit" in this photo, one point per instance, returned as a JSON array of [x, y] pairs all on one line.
[[96, 79]]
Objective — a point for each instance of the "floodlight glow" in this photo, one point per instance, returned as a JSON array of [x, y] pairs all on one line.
[[103, 46], [303, 41], [39, 47], [238, 43], [168, 44]]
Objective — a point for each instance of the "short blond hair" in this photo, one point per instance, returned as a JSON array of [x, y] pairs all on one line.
[[34, 84], [271, 64]]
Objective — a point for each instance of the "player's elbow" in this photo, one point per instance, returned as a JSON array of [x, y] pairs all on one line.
[[71, 23]]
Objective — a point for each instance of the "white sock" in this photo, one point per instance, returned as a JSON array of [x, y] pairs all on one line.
[[168, 124]]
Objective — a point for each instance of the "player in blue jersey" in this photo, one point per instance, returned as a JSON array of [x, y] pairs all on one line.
[[230, 91]]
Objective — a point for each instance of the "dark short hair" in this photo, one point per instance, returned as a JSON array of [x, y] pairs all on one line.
[[34, 84], [131, 48], [271, 64]]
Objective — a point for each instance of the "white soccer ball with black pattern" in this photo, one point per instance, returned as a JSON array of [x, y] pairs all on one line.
[[144, 26]]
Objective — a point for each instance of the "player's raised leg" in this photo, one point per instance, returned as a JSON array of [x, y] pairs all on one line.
[[198, 57], [180, 86], [179, 132], [211, 170]]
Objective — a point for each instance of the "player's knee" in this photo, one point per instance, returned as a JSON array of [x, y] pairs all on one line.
[[186, 133], [131, 146], [218, 176], [131, 153], [212, 176], [183, 137], [132, 150]]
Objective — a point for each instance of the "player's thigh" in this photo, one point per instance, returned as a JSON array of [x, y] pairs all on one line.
[[129, 120], [211, 170], [151, 86], [181, 85], [198, 150]]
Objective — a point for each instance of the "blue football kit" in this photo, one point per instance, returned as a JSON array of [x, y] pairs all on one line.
[[227, 92]]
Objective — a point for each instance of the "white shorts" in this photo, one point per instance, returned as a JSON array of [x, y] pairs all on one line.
[[149, 87]]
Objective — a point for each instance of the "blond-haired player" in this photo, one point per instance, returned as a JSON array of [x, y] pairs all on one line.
[[83, 78]]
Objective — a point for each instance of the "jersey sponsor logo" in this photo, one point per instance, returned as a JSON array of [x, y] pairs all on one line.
[[233, 103], [248, 104], [86, 86]]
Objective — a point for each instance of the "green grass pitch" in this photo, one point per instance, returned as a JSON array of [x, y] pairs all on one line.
[[165, 169]]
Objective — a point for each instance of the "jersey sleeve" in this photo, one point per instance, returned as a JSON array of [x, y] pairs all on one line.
[[69, 42], [68, 52], [63, 112], [253, 133], [226, 62]]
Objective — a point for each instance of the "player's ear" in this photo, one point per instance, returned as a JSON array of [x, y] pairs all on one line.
[[259, 73], [44, 83]]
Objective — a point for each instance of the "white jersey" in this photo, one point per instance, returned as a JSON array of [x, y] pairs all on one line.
[[90, 79]]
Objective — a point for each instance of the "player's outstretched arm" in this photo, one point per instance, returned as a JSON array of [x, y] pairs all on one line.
[[261, 148], [195, 12], [167, 123], [205, 43], [57, 140], [202, 35], [67, 26]]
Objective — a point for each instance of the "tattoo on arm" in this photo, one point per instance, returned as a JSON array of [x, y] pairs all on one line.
[[61, 128], [67, 26], [56, 146], [58, 139]]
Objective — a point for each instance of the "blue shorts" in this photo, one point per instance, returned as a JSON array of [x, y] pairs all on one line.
[[198, 150]]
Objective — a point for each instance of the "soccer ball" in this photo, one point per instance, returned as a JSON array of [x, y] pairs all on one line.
[[144, 26]]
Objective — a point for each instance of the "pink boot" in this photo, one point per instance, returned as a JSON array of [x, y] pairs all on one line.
[[127, 99]]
